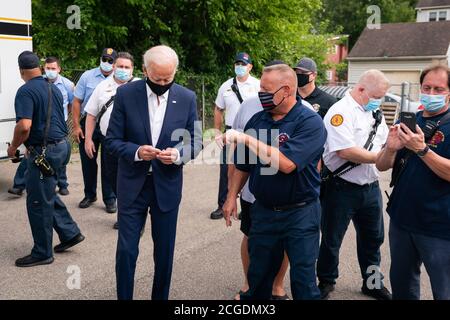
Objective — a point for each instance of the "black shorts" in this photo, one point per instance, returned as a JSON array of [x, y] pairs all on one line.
[[246, 221]]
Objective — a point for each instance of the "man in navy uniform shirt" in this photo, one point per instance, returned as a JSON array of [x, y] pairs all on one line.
[[45, 209], [285, 182], [419, 206]]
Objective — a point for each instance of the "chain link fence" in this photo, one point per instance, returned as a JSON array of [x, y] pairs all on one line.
[[204, 87]]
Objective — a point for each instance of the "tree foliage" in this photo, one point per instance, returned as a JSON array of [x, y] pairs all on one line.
[[352, 15], [206, 33]]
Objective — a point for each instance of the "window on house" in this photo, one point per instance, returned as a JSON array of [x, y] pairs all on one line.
[[433, 16], [442, 15]]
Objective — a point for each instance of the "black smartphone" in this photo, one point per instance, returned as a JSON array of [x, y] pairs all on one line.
[[409, 119]]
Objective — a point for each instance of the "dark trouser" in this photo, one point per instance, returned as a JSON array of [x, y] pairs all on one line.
[[111, 166], [19, 177], [246, 220], [89, 168], [272, 233], [408, 251], [163, 224], [223, 179], [45, 209], [62, 178], [20, 181], [343, 201]]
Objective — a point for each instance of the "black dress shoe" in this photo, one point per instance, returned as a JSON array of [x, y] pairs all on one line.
[[63, 191], [15, 191], [111, 207], [30, 261], [325, 289], [217, 214], [378, 294], [68, 244], [86, 202]]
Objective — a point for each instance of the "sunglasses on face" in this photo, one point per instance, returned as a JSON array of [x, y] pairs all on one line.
[[109, 60]]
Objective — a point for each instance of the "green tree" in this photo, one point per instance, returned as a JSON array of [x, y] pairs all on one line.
[[352, 15]]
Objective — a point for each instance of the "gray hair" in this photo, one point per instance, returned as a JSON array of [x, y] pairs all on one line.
[[161, 55], [373, 79]]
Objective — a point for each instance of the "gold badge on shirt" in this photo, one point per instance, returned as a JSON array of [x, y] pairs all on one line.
[[337, 120]]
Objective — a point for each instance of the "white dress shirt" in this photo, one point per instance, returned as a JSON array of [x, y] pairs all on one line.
[[157, 112]]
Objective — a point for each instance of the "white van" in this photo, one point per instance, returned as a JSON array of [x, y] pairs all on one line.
[[15, 37]]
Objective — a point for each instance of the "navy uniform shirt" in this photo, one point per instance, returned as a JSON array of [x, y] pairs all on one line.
[[32, 103], [420, 201], [301, 136], [321, 101]]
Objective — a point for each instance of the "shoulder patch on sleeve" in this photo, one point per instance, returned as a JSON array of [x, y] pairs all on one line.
[[337, 120]]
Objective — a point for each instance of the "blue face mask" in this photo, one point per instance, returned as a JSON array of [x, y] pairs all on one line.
[[105, 66], [51, 74], [122, 74], [241, 71], [432, 103], [373, 104]]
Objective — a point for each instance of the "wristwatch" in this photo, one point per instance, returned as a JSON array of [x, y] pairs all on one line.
[[423, 152]]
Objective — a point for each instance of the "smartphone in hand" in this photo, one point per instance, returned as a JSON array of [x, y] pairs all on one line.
[[409, 119]]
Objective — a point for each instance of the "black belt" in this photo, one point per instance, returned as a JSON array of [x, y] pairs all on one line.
[[354, 185], [51, 143], [227, 127], [288, 207]]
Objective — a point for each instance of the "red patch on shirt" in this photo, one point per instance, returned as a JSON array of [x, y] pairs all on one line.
[[283, 138], [438, 138]]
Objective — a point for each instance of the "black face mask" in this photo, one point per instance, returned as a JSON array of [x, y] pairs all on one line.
[[303, 79], [158, 89]]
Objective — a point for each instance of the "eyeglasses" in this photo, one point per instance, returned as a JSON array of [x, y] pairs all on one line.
[[107, 59]]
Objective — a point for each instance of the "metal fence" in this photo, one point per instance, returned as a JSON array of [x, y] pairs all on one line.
[[205, 91]]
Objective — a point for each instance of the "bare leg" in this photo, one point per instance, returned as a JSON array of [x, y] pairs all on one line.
[[278, 284], [245, 263]]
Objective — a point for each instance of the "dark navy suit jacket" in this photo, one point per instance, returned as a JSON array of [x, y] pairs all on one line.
[[129, 128]]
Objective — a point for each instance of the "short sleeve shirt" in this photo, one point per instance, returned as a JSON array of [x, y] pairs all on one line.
[[420, 201], [101, 95], [66, 87], [87, 84], [349, 125], [299, 136], [228, 101], [31, 102]]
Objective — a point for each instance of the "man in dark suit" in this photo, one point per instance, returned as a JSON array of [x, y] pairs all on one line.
[[153, 131]]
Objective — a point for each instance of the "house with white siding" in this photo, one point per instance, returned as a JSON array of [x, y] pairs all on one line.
[[403, 50]]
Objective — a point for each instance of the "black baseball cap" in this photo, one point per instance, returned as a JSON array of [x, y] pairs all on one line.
[[28, 60], [243, 57], [109, 53]]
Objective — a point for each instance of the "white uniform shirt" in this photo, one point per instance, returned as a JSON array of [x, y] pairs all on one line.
[[101, 95], [228, 101], [349, 125]]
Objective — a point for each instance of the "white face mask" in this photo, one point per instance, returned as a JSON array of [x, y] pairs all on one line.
[[105, 66], [122, 74], [51, 74]]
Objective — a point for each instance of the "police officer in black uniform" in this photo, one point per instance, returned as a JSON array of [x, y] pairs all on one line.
[[287, 138], [321, 101], [48, 150]]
